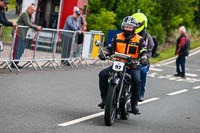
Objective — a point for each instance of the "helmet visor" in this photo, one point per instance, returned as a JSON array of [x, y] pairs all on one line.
[[140, 24]]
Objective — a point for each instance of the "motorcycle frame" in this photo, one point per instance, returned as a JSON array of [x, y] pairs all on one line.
[[118, 80]]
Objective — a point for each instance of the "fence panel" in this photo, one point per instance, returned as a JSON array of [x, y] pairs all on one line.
[[90, 50], [65, 46], [23, 47], [45, 47], [49, 47], [5, 49]]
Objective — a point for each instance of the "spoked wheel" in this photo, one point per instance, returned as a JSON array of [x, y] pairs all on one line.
[[110, 106]]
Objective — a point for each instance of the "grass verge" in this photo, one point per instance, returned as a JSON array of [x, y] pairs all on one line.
[[170, 51], [6, 35], [11, 5]]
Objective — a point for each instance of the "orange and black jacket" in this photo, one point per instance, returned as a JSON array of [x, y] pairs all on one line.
[[132, 46]]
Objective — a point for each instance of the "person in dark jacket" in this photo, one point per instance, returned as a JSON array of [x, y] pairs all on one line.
[[182, 50], [141, 30], [155, 47], [3, 19]]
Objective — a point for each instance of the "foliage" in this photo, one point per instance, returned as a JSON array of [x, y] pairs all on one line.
[[164, 16], [6, 35], [102, 21], [96, 5], [175, 13], [11, 5]]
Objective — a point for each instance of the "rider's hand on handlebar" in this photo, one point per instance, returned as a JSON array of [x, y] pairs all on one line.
[[144, 61], [102, 56]]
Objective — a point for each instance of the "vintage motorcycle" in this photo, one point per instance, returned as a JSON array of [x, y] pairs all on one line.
[[119, 90]]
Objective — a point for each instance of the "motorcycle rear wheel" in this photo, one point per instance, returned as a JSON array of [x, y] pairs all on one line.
[[124, 111]]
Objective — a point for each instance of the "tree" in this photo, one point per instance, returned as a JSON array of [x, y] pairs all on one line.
[[175, 13], [96, 5], [102, 21], [164, 16]]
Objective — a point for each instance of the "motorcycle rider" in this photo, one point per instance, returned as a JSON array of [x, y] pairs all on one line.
[[131, 44], [141, 30]]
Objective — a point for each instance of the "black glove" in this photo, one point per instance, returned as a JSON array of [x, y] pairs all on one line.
[[102, 56], [144, 61]]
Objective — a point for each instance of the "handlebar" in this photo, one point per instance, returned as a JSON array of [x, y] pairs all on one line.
[[125, 57]]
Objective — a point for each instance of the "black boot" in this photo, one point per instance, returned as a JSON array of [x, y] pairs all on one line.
[[101, 105], [134, 108], [141, 98]]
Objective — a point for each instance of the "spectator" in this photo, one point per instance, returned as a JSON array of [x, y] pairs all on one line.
[[155, 47], [73, 23], [83, 28], [83, 23], [25, 19], [182, 50], [18, 7], [3, 19]]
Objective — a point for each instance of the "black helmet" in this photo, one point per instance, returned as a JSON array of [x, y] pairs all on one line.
[[129, 20]]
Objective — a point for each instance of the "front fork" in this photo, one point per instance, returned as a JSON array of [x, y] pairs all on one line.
[[119, 81]]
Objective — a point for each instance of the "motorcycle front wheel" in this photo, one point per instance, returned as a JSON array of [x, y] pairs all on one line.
[[110, 106]]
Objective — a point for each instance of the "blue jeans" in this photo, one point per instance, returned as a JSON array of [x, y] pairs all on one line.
[[103, 83], [143, 71], [20, 49], [180, 62]]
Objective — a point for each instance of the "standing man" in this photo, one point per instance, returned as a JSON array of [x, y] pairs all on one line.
[[155, 47], [25, 19], [73, 23], [3, 19], [141, 30], [182, 50], [83, 23]]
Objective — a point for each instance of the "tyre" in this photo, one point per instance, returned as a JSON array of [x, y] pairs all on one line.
[[124, 108], [110, 106], [125, 104]]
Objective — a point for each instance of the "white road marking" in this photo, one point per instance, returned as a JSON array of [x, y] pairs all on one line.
[[96, 115], [148, 100], [81, 119], [173, 78], [155, 69], [177, 92], [193, 53], [182, 79], [197, 87], [169, 62], [191, 74]]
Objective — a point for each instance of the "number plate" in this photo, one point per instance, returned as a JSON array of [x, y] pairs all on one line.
[[118, 66]]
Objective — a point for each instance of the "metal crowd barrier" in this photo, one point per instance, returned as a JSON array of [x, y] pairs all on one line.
[[49, 47], [90, 52], [5, 49]]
